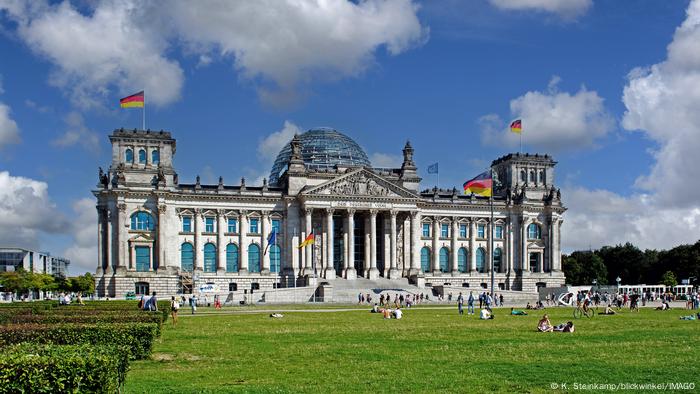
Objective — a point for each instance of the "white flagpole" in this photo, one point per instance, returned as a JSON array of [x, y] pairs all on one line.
[[144, 110]]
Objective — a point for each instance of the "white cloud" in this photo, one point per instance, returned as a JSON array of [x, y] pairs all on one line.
[[83, 251], [662, 102], [386, 160], [26, 211], [110, 47], [271, 145], [552, 121], [279, 45], [9, 131], [78, 133], [566, 9]]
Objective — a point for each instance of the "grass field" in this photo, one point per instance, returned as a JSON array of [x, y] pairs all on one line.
[[430, 350]]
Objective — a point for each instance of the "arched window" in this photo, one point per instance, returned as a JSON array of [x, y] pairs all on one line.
[[142, 156], [541, 177], [462, 260], [129, 156], [481, 260], [142, 221], [497, 259], [534, 232], [231, 258], [155, 156], [209, 257], [523, 176], [425, 259], [187, 257], [253, 258], [532, 176], [444, 260], [275, 258]]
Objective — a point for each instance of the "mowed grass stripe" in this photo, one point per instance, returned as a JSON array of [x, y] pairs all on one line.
[[427, 351]]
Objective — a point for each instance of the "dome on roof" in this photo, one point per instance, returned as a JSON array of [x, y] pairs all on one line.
[[321, 148]]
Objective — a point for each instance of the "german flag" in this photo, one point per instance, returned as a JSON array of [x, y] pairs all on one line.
[[308, 241], [481, 185], [516, 126], [137, 100]]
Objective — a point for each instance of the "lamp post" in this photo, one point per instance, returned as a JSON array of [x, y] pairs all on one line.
[[618, 280], [595, 283]]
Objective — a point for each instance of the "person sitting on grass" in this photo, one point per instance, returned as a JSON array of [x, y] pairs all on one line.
[[387, 313], [528, 306], [544, 325], [486, 314], [664, 306], [517, 312], [565, 327], [375, 309], [608, 311], [398, 314]]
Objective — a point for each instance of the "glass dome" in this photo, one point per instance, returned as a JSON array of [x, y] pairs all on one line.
[[321, 148]]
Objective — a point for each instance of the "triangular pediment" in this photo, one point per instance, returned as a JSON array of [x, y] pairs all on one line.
[[360, 183], [141, 237]]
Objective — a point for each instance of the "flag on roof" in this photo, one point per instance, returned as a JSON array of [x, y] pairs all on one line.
[[481, 185], [516, 126], [433, 168], [137, 100]]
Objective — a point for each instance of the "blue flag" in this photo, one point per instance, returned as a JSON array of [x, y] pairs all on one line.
[[271, 239], [433, 168]]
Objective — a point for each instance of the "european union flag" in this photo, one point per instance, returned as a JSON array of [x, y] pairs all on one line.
[[433, 168]]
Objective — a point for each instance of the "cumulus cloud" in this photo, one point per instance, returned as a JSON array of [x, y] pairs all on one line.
[[109, 47], [271, 145], [385, 160], [566, 9], [279, 45], [9, 131], [26, 211], [662, 102], [83, 251], [552, 120], [78, 134]]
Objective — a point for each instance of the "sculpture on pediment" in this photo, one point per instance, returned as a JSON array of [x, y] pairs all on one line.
[[103, 178]]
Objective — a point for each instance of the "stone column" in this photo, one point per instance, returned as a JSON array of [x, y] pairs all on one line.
[[368, 246], [350, 272], [508, 247], [132, 256], [122, 237], [415, 243], [243, 242], [265, 227], [198, 251], [373, 271], [524, 261], [489, 252], [453, 246], [436, 246], [330, 266], [308, 250], [100, 242], [150, 257], [109, 217], [160, 241], [220, 242], [556, 246], [472, 245], [394, 273]]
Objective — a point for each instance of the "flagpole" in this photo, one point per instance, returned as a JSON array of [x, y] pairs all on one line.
[[144, 110], [493, 278]]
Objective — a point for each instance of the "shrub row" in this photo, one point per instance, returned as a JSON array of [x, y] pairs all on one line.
[[138, 337], [121, 305], [32, 368], [89, 318]]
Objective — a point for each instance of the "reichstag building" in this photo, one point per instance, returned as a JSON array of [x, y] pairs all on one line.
[[158, 234]]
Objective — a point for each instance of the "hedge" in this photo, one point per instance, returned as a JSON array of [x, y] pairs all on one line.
[[32, 368], [89, 318], [138, 337]]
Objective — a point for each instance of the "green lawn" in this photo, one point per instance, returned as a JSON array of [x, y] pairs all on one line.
[[430, 350]]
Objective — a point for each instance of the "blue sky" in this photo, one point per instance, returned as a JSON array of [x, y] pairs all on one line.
[[607, 87]]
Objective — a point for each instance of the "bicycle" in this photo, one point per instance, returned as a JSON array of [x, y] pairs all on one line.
[[581, 311]]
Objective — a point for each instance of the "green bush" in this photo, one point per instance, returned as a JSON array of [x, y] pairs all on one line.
[[91, 317], [138, 337], [32, 368], [120, 305]]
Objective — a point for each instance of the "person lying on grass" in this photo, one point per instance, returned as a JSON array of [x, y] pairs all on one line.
[[664, 306], [276, 315], [486, 314], [689, 317], [608, 311], [544, 325], [517, 312], [565, 327]]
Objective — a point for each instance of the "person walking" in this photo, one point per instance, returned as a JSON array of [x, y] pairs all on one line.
[[193, 303], [500, 299], [174, 307], [460, 304], [470, 304]]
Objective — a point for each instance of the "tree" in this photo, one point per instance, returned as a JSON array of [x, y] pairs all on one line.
[[581, 268], [13, 281], [669, 279]]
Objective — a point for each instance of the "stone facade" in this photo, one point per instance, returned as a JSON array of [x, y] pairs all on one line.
[[156, 234]]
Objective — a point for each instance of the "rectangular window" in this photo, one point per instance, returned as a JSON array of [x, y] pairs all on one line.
[[232, 225], [254, 226], [463, 231], [277, 225], [445, 230], [498, 232], [426, 229], [186, 224], [480, 231], [209, 225]]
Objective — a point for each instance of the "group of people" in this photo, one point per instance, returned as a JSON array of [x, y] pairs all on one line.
[[398, 301], [66, 299], [149, 303], [387, 312], [544, 325]]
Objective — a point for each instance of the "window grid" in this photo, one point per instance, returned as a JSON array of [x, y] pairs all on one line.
[[209, 224], [186, 224], [445, 230], [463, 231], [426, 230], [481, 231], [253, 227], [232, 225]]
